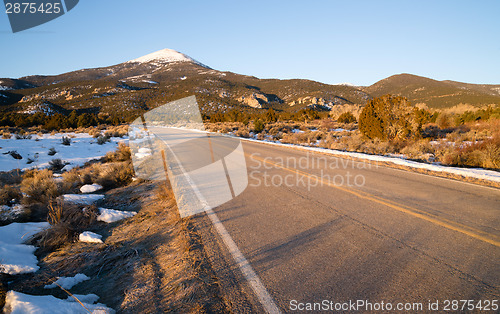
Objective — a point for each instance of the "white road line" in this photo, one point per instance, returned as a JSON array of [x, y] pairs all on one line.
[[253, 280], [258, 288]]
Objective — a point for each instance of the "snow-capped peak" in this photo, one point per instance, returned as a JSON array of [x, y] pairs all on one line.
[[165, 56], [346, 84]]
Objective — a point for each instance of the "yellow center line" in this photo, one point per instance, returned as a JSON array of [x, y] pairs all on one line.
[[474, 233]]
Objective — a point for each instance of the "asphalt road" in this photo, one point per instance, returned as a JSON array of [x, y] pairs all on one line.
[[315, 227]]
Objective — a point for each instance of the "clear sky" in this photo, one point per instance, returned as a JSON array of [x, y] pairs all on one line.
[[359, 42]]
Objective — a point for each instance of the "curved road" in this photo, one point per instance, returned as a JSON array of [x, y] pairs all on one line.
[[316, 227]]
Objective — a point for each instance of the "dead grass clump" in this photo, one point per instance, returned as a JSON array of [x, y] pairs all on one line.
[[9, 195], [419, 150], [3, 294], [67, 221], [6, 135], [116, 131], [11, 177], [122, 153], [38, 186], [308, 137], [242, 132], [116, 175], [485, 154], [70, 181], [94, 132]]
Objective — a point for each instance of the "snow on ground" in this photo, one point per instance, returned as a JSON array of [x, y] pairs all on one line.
[[84, 199], [477, 173], [20, 303], [90, 237], [67, 282], [90, 188], [82, 149], [16, 257], [112, 215], [84, 298], [8, 212]]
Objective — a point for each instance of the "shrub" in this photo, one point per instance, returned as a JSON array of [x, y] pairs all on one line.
[[122, 153], [242, 132], [443, 121], [52, 151], [346, 117], [23, 136], [38, 186], [118, 174], [258, 126], [70, 181], [67, 221], [95, 132], [102, 139], [56, 164], [389, 118], [9, 195], [66, 141], [14, 154]]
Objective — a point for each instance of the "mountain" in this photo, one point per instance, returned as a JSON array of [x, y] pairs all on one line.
[[435, 94], [127, 89], [131, 87]]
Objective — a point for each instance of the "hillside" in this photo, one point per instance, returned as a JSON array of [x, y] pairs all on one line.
[[435, 94], [127, 89], [132, 87]]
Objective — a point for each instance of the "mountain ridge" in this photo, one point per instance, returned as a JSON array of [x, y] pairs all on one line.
[[140, 84]]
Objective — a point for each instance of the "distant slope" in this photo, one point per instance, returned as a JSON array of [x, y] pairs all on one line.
[[436, 94], [140, 84], [127, 89]]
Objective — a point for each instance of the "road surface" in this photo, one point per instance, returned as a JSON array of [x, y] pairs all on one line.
[[316, 227]]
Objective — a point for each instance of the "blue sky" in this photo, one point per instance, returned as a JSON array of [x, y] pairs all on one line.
[[359, 42]]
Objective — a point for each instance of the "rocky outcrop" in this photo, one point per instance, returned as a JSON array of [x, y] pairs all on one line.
[[256, 100]]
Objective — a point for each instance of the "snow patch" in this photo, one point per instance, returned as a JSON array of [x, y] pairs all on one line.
[[90, 237], [90, 188], [81, 150], [112, 215], [20, 303], [67, 282], [165, 56], [16, 257]]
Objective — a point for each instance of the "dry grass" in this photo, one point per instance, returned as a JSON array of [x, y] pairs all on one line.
[[9, 193], [116, 175], [148, 263], [38, 186], [122, 153], [67, 221], [3, 294]]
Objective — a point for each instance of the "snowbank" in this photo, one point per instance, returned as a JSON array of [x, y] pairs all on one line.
[[67, 282], [82, 149], [15, 257], [90, 237], [86, 199], [112, 215], [20, 303], [90, 188]]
